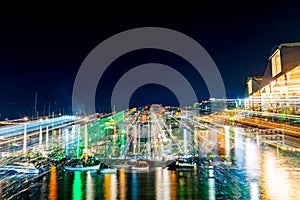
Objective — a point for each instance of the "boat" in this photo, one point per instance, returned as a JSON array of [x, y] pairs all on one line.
[[19, 168], [182, 164], [141, 165], [108, 171], [82, 168], [105, 169], [118, 166]]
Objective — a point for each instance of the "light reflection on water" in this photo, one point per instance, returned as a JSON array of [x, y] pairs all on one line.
[[110, 186], [279, 182], [134, 186], [252, 168], [89, 186], [211, 189], [162, 184], [53, 184], [77, 186], [258, 174], [122, 185]]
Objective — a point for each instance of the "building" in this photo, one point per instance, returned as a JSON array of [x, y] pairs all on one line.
[[278, 91]]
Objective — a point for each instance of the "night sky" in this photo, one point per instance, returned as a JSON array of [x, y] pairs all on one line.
[[41, 50]]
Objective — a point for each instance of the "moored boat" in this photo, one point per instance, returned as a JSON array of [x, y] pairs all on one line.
[[141, 166], [182, 164], [82, 168], [105, 169], [108, 171], [20, 168]]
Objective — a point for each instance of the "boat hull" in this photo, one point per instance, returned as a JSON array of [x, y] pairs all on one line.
[[18, 170], [91, 168], [108, 171], [140, 168]]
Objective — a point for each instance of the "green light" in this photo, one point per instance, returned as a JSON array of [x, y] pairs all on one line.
[[118, 117], [78, 143], [123, 141], [77, 187]]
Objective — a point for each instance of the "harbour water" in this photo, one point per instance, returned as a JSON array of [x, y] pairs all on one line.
[[259, 172]]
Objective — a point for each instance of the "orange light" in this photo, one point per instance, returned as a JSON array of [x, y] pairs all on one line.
[[53, 184]]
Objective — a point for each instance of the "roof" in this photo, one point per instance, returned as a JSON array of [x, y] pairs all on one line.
[[291, 44], [256, 78], [267, 78], [290, 58]]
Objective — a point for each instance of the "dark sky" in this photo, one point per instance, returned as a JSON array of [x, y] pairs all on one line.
[[42, 49]]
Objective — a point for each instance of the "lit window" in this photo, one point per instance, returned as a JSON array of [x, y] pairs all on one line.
[[276, 63], [250, 87]]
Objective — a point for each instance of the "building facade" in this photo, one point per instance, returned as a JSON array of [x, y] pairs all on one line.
[[278, 91]]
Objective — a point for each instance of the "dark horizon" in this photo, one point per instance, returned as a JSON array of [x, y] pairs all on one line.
[[41, 51]]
